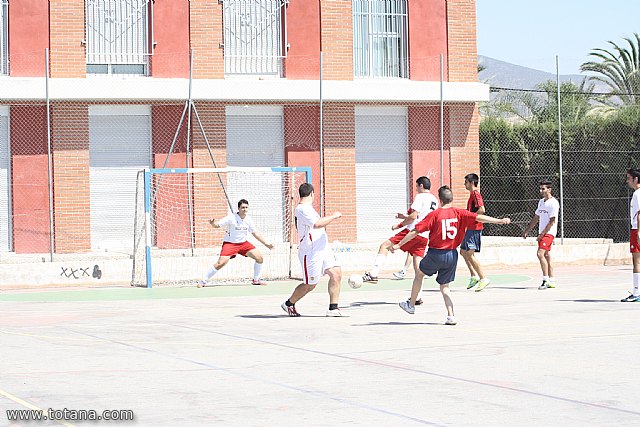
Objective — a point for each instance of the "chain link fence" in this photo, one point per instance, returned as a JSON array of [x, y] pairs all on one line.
[[520, 144], [69, 169]]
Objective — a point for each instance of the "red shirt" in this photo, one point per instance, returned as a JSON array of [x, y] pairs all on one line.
[[446, 227], [474, 203]]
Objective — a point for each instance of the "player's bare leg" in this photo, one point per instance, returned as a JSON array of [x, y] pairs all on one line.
[[417, 272], [416, 287], [222, 261], [335, 278], [635, 295], [467, 259], [372, 275], [256, 255], [410, 305], [299, 292], [446, 295], [544, 266]]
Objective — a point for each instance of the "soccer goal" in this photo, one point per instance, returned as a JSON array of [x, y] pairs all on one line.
[[174, 244]]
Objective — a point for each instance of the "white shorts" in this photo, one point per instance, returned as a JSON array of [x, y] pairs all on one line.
[[315, 264]]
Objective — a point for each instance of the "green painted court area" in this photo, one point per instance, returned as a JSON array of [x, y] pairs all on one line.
[[273, 288]]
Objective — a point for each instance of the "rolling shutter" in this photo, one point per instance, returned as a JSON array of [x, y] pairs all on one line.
[[381, 170], [255, 137], [119, 146]]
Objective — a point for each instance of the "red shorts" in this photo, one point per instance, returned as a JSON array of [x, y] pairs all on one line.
[[416, 246], [633, 242], [546, 242], [232, 249]]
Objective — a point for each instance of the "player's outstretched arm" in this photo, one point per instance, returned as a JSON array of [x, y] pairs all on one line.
[[492, 220], [532, 223], [408, 237], [262, 240], [214, 223], [408, 219], [326, 220]]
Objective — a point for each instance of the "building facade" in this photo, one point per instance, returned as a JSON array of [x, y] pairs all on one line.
[[118, 90]]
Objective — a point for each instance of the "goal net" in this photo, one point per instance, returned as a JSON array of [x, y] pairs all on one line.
[[174, 243]]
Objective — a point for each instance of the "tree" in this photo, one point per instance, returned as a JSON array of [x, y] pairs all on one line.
[[619, 69]]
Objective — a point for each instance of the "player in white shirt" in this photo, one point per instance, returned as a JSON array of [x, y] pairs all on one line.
[[423, 203], [237, 227], [633, 180], [315, 254], [546, 215]]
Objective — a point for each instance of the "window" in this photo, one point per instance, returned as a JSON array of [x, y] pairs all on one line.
[[380, 38], [4, 37], [118, 36], [254, 37]]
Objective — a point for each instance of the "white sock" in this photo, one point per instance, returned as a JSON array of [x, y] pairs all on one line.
[[212, 271], [546, 278], [475, 277], [257, 269], [377, 265], [552, 279], [636, 282]]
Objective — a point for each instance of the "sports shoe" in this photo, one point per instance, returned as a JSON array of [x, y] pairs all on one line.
[[258, 282], [369, 278], [418, 301], [290, 310], [482, 283], [399, 274], [544, 285], [202, 284], [451, 320], [631, 298], [334, 313], [551, 284], [407, 307], [472, 282]]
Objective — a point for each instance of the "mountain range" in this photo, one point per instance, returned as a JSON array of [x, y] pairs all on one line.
[[504, 74]]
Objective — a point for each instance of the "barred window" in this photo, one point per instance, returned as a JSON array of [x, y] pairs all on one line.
[[118, 36], [4, 37], [380, 38], [254, 36]]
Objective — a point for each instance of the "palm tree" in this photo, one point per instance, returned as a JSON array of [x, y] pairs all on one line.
[[618, 68]]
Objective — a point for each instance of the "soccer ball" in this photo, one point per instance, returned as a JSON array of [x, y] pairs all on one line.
[[355, 281]]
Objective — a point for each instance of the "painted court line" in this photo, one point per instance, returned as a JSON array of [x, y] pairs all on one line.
[[419, 371], [30, 406], [316, 393]]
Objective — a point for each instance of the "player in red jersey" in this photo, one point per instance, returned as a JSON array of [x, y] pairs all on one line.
[[446, 227], [473, 237]]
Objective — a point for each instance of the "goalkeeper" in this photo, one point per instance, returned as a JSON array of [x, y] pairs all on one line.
[[237, 226]]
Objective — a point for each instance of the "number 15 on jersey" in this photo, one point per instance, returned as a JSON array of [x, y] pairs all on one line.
[[449, 228]]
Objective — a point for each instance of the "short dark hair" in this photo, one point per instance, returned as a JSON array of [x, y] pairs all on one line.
[[546, 183], [472, 178], [445, 195], [634, 173], [305, 189], [425, 182], [242, 202]]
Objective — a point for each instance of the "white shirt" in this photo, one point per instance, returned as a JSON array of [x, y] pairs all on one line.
[[237, 228], [634, 208], [423, 204], [548, 209], [311, 239]]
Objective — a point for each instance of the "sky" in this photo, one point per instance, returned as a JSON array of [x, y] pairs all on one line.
[[532, 32]]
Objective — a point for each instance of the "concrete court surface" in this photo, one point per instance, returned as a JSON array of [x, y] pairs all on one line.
[[229, 356]]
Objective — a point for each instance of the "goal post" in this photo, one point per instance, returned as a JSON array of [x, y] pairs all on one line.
[[174, 244]]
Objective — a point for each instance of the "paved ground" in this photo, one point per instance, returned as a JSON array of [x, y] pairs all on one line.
[[229, 356]]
